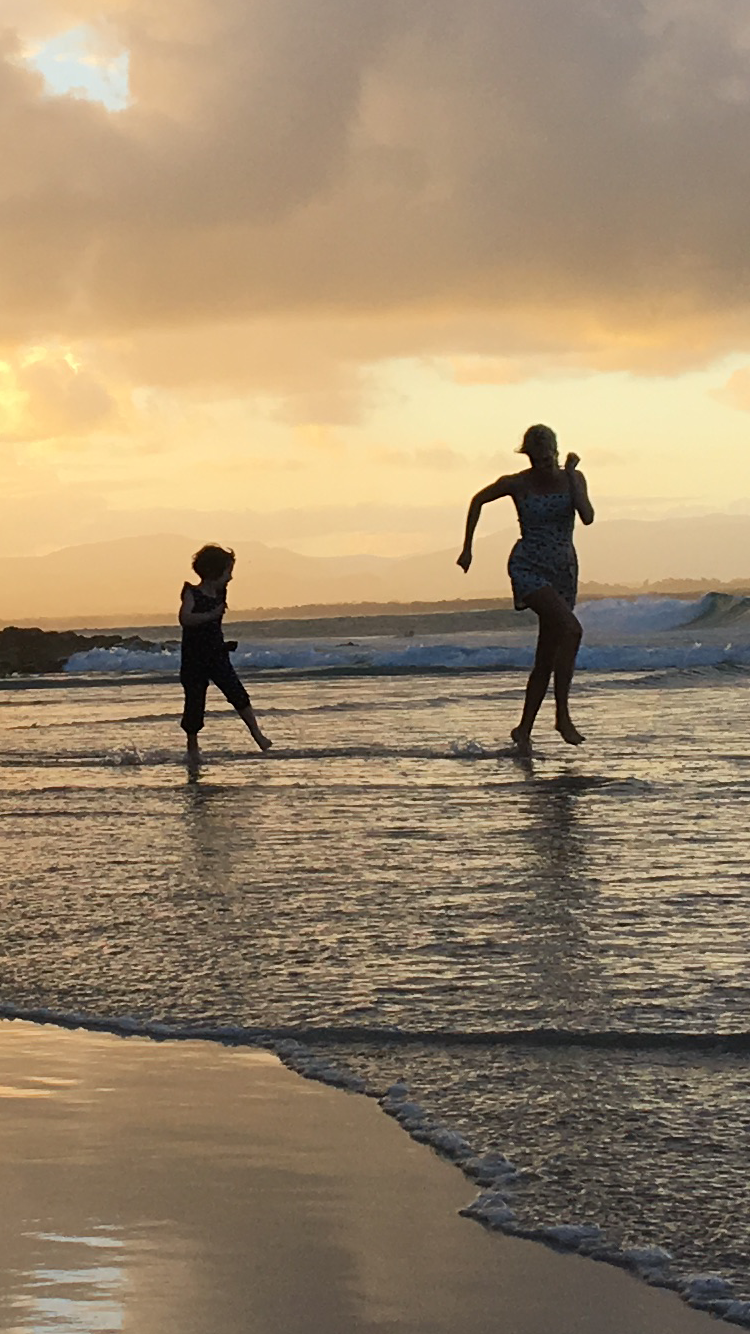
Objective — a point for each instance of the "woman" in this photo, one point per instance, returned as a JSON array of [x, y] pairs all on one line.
[[543, 569]]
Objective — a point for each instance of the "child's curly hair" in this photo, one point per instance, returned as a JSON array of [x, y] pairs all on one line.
[[212, 561]]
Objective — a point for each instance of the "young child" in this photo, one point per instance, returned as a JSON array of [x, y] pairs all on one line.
[[205, 656]]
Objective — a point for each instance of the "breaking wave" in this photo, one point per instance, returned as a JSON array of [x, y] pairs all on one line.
[[416, 659], [722, 609], [624, 635]]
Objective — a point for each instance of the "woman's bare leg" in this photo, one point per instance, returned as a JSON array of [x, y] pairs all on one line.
[[538, 683], [563, 672], [557, 646]]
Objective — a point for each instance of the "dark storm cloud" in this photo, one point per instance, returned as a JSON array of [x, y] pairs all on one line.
[[576, 171]]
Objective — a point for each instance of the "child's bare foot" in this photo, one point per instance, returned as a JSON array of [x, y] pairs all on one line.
[[568, 732], [251, 723], [522, 740]]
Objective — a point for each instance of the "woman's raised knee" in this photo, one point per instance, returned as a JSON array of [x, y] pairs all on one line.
[[573, 630]]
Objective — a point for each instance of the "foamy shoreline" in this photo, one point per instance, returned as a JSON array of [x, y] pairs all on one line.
[[185, 1187], [392, 868]]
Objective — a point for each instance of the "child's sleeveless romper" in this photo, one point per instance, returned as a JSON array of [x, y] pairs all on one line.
[[205, 658]]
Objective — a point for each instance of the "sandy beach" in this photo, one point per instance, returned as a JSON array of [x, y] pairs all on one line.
[[188, 1187]]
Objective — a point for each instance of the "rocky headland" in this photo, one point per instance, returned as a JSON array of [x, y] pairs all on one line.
[[33, 652]]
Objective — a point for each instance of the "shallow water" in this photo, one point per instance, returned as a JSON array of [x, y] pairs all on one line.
[[390, 870], [250, 1200]]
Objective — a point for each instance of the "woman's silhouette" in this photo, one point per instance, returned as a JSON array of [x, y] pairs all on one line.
[[543, 569]]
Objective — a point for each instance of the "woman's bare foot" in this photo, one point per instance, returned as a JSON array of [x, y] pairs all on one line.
[[522, 740], [262, 742], [568, 732]]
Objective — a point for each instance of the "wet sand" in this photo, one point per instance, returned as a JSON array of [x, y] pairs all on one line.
[[185, 1188]]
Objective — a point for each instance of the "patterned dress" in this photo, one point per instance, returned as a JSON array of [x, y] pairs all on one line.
[[544, 555]]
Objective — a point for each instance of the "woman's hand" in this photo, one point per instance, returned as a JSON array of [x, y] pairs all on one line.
[[571, 463], [464, 559]]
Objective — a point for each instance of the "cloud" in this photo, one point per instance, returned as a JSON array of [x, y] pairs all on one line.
[[562, 178], [45, 393], [488, 370], [62, 400], [736, 391]]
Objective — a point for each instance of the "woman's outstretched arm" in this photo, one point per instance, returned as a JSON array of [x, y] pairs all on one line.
[[502, 487]]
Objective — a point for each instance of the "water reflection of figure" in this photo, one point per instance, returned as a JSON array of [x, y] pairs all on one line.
[[209, 823], [543, 569], [225, 899], [559, 902]]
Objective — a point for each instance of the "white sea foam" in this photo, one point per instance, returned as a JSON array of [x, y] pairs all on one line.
[[710, 1292], [571, 1235], [662, 657], [706, 1287], [621, 635], [402, 656], [619, 616], [648, 1259], [492, 1209], [124, 660]]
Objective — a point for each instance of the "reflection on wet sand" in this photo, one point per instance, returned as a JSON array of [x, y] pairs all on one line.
[[180, 1188]]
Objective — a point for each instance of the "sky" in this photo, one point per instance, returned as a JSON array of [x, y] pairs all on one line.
[[305, 271]]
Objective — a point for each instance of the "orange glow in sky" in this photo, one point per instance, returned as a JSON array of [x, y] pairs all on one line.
[[261, 261]]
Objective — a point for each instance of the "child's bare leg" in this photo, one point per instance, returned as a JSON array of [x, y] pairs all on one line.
[[226, 678], [193, 749], [251, 722]]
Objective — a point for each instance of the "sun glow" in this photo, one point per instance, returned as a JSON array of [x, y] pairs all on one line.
[[85, 63], [233, 302]]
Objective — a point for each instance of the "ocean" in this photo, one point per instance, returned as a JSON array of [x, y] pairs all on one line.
[[547, 958]]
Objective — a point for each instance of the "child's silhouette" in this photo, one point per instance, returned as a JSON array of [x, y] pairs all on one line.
[[205, 656]]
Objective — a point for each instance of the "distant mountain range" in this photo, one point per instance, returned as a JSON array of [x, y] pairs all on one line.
[[130, 579]]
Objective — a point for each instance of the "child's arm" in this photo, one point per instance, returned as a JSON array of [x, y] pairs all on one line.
[[188, 616]]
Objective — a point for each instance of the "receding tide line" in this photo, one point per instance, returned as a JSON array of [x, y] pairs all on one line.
[[493, 1173], [240, 1034]]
